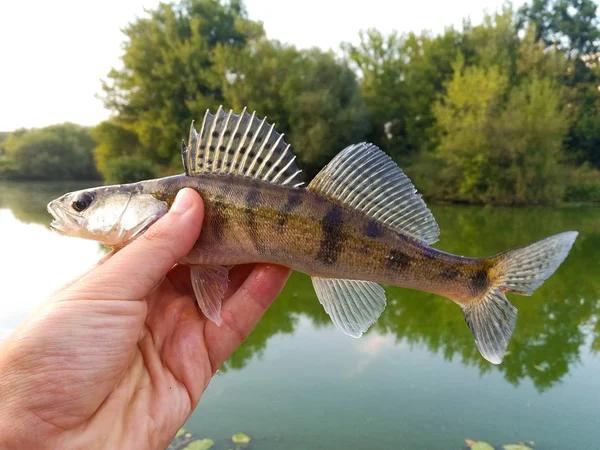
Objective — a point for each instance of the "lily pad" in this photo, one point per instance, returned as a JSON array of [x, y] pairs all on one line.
[[202, 444], [516, 447], [180, 432], [480, 445], [241, 438]]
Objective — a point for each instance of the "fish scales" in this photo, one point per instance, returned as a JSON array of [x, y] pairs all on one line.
[[358, 223], [252, 221]]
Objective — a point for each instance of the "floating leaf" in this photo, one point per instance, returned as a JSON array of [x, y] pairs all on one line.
[[480, 445], [202, 444], [470, 443], [516, 447], [180, 432], [240, 438]]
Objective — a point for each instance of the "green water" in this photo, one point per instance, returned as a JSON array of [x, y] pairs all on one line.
[[415, 380]]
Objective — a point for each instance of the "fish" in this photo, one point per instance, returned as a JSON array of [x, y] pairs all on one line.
[[358, 224]]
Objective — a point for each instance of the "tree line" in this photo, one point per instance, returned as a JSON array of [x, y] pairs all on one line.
[[505, 112]]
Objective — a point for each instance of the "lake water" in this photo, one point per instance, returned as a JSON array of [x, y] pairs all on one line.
[[414, 381]]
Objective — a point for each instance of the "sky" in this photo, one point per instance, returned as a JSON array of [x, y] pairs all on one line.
[[54, 54]]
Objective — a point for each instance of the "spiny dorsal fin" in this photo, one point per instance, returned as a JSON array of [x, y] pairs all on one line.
[[242, 145], [363, 177]]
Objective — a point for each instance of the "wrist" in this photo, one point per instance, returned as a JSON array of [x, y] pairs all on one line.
[[19, 426]]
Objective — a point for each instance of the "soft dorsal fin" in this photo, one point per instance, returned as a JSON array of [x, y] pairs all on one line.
[[242, 145], [363, 177]]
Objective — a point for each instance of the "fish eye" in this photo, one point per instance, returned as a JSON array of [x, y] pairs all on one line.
[[83, 201]]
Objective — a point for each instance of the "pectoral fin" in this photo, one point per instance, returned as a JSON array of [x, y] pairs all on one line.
[[210, 285], [353, 305]]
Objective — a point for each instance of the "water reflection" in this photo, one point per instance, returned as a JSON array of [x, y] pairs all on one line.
[[28, 200], [553, 326]]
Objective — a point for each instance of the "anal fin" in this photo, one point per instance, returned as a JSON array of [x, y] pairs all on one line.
[[492, 321], [210, 285], [353, 305]]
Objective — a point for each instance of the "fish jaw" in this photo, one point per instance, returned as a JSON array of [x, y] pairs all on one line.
[[63, 223]]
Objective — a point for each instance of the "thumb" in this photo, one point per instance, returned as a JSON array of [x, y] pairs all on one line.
[[134, 272]]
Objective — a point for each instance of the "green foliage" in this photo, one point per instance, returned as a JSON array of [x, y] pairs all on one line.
[[115, 141], [583, 185], [128, 169], [569, 24], [57, 152], [502, 112], [3, 137], [500, 144], [168, 75], [310, 95], [573, 27], [401, 76]]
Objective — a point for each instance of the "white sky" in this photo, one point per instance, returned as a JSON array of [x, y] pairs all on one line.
[[54, 53]]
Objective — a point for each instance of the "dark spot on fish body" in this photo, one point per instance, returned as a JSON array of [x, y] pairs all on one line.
[[449, 274], [252, 202], [479, 281], [294, 199], [218, 219], [373, 229], [333, 236], [397, 260]]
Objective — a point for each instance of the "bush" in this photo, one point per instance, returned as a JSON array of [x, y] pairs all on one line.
[[57, 152], [128, 169], [583, 185]]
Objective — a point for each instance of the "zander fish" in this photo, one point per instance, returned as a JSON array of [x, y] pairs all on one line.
[[358, 223]]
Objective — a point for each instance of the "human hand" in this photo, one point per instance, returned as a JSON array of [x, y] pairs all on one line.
[[120, 357]]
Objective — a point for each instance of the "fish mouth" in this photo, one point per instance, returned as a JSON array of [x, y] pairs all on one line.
[[62, 220]]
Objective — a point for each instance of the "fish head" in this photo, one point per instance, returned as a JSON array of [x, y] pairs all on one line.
[[113, 215]]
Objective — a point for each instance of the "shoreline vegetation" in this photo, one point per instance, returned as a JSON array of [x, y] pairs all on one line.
[[506, 112]]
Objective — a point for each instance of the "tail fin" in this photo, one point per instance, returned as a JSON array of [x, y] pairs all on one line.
[[521, 271]]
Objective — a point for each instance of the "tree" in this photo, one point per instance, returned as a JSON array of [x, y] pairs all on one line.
[[571, 25], [310, 95], [400, 78], [498, 151], [168, 77], [57, 152], [473, 96], [381, 65]]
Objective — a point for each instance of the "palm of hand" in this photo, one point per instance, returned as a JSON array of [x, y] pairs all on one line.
[[136, 368]]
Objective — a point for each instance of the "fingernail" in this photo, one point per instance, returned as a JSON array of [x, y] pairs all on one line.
[[182, 202]]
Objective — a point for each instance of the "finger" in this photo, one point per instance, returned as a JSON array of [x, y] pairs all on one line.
[[243, 310], [237, 276], [134, 271]]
